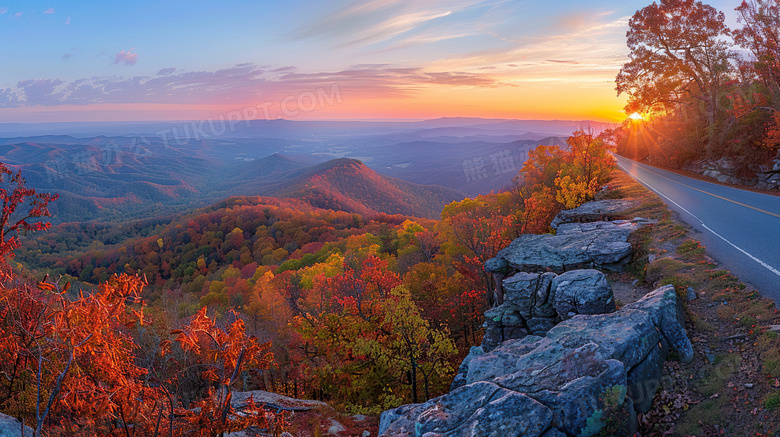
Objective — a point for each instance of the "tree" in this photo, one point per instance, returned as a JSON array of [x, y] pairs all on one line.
[[412, 348], [13, 194], [584, 172], [760, 34], [678, 56]]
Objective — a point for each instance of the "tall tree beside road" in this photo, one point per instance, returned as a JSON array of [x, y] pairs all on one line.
[[679, 58]]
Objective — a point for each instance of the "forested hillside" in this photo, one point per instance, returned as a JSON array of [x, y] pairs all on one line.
[[365, 312]]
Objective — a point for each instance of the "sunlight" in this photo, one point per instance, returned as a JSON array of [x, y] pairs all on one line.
[[636, 116]]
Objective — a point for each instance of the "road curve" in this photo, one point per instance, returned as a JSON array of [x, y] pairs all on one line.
[[740, 229]]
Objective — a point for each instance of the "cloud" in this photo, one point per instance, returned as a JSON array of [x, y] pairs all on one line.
[[126, 57], [589, 48], [238, 84], [363, 23], [49, 11], [3, 10], [18, 14], [68, 20], [67, 55]]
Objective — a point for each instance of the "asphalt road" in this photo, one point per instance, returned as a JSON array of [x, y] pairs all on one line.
[[740, 229]]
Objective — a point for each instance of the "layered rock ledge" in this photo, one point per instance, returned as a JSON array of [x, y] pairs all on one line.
[[598, 210], [600, 244], [532, 303], [587, 374], [556, 358]]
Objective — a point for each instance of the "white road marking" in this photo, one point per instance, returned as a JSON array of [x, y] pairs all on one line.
[[749, 255]]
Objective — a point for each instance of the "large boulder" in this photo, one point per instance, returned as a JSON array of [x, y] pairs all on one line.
[[12, 427], [599, 210], [582, 292], [590, 374]]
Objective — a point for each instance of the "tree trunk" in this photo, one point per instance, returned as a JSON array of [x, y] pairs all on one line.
[[413, 379]]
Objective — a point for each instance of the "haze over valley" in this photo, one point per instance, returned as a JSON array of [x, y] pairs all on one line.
[[135, 170]]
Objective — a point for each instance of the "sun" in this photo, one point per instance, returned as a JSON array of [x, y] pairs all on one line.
[[636, 116]]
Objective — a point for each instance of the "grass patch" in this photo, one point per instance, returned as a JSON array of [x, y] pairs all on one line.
[[690, 250], [708, 411], [701, 324], [772, 401], [766, 340], [770, 361], [722, 370]]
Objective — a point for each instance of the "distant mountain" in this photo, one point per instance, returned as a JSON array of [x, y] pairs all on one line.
[[133, 176], [349, 185], [102, 180]]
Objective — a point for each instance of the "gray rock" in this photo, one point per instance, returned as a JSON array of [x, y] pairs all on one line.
[[582, 292], [627, 335], [527, 308], [399, 421], [540, 325], [239, 399], [463, 369], [586, 369], [554, 432], [521, 291], [491, 408], [513, 414], [663, 306], [722, 178], [501, 360], [645, 379], [579, 408], [594, 211], [600, 244], [335, 428], [496, 265], [690, 293], [12, 427]]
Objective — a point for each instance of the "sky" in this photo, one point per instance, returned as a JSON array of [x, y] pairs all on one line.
[[314, 59]]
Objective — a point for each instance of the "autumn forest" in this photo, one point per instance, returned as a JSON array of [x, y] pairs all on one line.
[[146, 327]]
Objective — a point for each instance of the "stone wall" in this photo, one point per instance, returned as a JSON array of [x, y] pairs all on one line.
[[724, 170]]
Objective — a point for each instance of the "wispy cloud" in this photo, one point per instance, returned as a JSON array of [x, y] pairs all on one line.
[[586, 47], [49, 11], [67, 55], [364, 23], [126, 57], [3, 10], [238, 84], [68, 20], [18, 14]]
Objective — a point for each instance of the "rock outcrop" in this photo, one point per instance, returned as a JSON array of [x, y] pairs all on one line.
[[239, 399], [575, 246], [588, 374], [535, 302], [598, 210], [724, 170], [557, 359]]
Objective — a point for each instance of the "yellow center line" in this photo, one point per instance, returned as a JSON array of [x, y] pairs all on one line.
[[715, 195]]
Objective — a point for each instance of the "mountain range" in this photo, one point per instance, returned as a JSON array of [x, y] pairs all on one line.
[[411, 168]]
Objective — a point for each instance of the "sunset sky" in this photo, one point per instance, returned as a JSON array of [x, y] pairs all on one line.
[[375, 59]]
